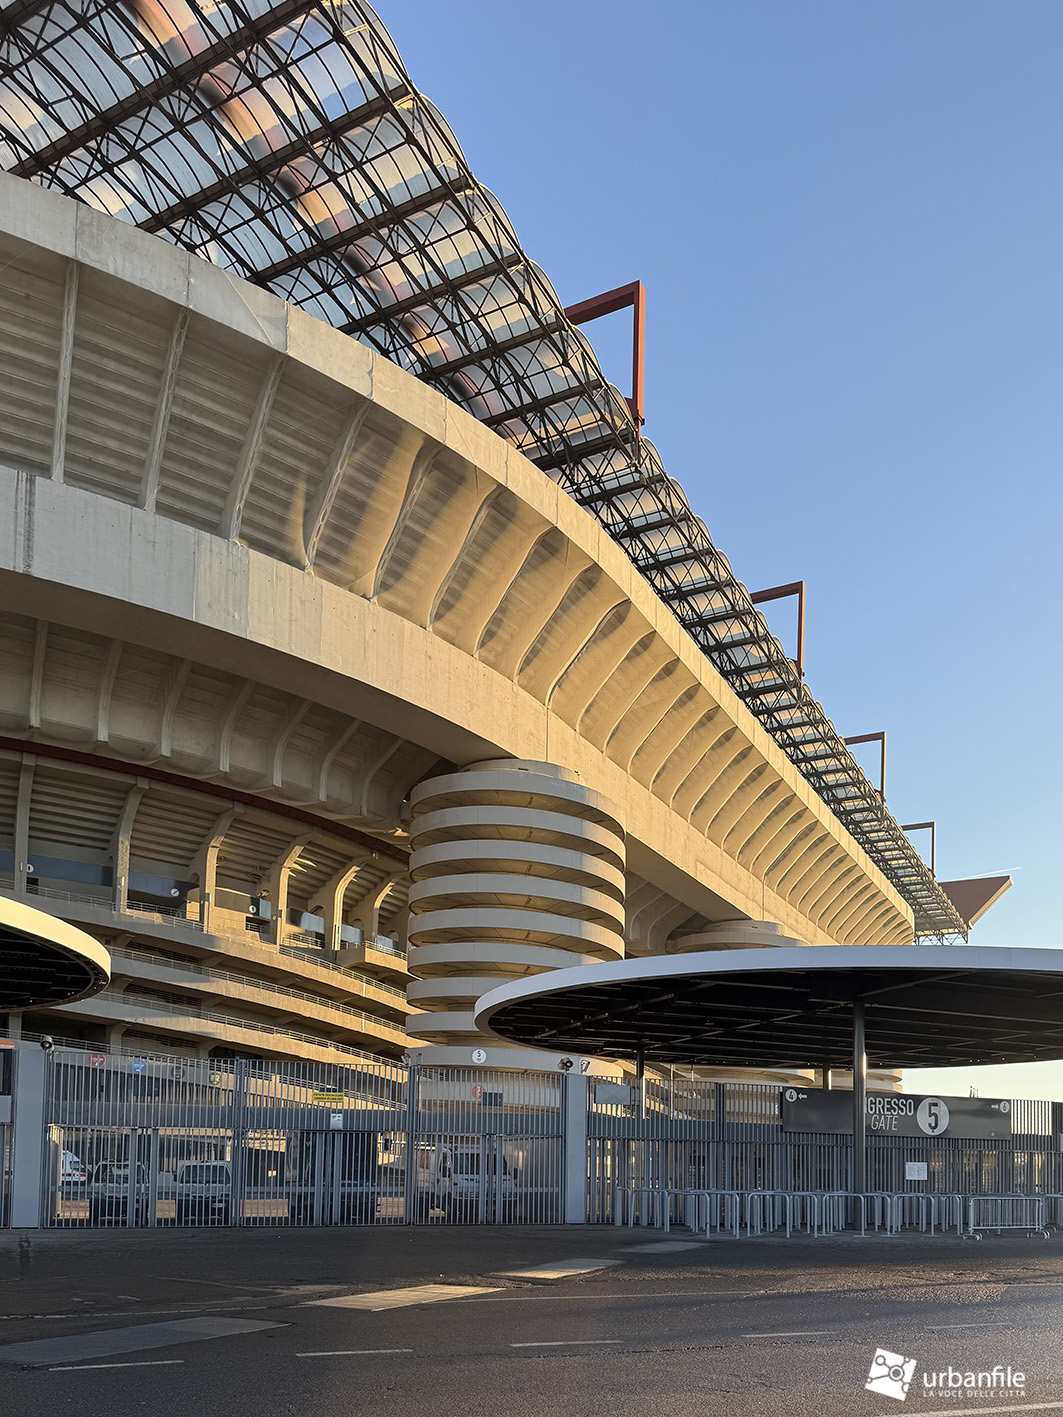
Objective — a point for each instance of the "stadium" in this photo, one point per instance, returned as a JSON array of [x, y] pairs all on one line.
[[358, 653]]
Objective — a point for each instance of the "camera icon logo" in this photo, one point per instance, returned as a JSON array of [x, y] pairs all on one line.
[[891, 1374]]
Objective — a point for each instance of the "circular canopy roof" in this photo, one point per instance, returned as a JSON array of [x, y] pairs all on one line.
[[926, 1006], [44, 960]]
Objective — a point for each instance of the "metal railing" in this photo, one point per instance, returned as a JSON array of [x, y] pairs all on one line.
[[828, 1212], [999, 1213], [353, 983], [316, 958], [163, 912], [384, 945], [300, 937], [373, 942], [171, 915], [162, 1006], [139, 1048]]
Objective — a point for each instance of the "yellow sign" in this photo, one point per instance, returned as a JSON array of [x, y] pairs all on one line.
[[329, 1096]]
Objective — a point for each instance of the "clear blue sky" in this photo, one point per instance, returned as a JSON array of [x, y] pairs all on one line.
[[849, 222]]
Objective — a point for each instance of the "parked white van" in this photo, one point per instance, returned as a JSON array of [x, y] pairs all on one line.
[[456, 1178]]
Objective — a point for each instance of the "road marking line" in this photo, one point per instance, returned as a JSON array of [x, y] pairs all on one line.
[[103, 1342], [569, 1343], [663, 1247], [793, 1333], [941, 1328], [351, 1352], [562, 1269], [501, 1298], [92, 1367], [966, 1411], [382, 1299]]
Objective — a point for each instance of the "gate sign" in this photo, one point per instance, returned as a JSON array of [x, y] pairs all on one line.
[[138, 1065], [97, 1060], [897, 1114]]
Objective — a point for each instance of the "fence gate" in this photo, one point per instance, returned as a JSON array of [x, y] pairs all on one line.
[[486, 1147], [136, 1141]]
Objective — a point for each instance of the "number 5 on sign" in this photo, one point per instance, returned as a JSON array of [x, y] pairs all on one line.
[[932, 1116]]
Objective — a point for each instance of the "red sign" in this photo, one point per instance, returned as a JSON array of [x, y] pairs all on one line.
[[477, 1093], [96, 1060], [6, 1043]]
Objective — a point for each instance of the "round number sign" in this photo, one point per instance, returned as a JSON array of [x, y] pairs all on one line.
[[932, 1116]]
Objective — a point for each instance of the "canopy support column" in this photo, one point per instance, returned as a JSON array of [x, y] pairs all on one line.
[[859, 1099]]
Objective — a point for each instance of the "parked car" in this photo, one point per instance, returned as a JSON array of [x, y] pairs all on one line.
[[203, 1191], [72, 1171], [109, 1193]]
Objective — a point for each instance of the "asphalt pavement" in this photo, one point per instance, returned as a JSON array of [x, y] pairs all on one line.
[[559, 1322]]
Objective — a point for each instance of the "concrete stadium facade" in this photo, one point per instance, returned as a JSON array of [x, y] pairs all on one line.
[[274, 615]]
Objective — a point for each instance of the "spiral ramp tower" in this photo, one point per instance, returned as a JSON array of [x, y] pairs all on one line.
[[518, 868]]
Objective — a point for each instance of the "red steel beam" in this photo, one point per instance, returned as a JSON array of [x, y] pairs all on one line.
[[932, 827], [879, 738], [781, 592], [624, 297]]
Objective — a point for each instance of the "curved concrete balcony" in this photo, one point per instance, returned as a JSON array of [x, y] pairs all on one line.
[[453, 1027], [248, 989], [271, 970], [528, 892], [207, 1028], [517, 858], [499, 958]]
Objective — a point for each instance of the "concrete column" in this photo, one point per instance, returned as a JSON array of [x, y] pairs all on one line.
[[333, 893], [206, 864], [120, 848], [27, 1173], [574, 1114], [278, 886], [375, 903], [22, 822]]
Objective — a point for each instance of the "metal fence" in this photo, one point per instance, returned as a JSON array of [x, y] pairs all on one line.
[[147, 1141], [687, 1136], [162, 1141]]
